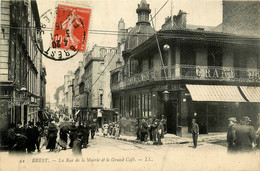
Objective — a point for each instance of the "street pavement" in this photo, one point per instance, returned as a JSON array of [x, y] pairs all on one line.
[[110, 154]]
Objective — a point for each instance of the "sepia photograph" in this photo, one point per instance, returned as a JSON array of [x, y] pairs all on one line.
[[156, 85]]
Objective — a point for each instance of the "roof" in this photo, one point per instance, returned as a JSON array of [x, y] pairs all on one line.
[[191, 36], [138, 35]]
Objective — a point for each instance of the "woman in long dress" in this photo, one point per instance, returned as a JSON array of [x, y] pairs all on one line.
[[52, 136]]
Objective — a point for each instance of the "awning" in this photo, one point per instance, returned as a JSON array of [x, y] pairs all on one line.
[[251, 93], [217, 93]]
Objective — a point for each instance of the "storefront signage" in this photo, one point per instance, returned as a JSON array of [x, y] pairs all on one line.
[[169, 87], [220, 73]]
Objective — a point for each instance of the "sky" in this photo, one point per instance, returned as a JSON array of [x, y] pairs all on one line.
[[105, 16]]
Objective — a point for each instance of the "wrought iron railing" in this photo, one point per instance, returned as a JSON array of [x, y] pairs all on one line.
[[186, 72]]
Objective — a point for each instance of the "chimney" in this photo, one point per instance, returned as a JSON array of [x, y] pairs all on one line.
[[181, 19], [121, 31]]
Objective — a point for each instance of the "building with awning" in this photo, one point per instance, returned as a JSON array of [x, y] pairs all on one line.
[[200, 74]]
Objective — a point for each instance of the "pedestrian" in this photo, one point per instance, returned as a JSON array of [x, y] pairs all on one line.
[[11, 137], [114, 128], [110, 128], [52, 136], [144, 127], [155, 132], [160, 132], [85, 137], [40, 135], [93, 130], [258, 138], [77, 145], [20, 144], [245, 136], [105, 129], [45, 136], [64, 130], [150, 128], [138, 129], [73, 134], [20, 129], [117, 130], [195, 132], [164, 122], [32, 134], [231, 134]]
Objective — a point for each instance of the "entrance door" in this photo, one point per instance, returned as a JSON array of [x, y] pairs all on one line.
[[25, 114], [17, 114], [170, 110]]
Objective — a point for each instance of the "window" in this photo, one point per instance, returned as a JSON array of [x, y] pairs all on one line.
[[103, 52], [187, 55], [81, 88], [150, 62], [240, 59], [130, 106], [101, 99], [149, 104], [215, 56]]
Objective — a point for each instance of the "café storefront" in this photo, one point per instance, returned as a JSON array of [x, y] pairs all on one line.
[[209, 94]]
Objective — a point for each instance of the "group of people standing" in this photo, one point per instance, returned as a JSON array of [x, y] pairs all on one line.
[[22, 139], [241, 137], [152, 129], [112, 129], [27, 139]]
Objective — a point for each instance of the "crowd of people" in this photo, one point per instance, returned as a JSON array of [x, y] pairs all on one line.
[[151, 129], [112, 129], [242, 137], [28, 139]]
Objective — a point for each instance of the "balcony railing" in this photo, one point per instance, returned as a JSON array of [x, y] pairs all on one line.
[[185, 72]]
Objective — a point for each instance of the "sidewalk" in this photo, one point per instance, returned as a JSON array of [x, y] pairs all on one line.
[[171, 138]]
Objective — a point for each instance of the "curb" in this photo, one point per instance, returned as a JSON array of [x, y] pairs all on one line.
[[144, 143]]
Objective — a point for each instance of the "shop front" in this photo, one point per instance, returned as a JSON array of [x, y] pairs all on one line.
[[212, 105]]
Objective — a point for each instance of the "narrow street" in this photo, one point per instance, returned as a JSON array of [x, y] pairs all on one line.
[[120, 155]]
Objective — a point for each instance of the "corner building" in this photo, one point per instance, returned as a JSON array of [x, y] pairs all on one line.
[[209, 76]]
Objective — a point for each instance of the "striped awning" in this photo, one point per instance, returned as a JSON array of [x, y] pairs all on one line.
[[217, 93], [251, 93]]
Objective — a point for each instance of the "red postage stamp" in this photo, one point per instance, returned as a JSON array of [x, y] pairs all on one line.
[[71, 28]]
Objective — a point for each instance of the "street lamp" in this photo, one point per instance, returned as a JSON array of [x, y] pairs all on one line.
[[23, 91], [166, 95]]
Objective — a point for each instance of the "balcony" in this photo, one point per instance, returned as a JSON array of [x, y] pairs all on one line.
[[119, 80]]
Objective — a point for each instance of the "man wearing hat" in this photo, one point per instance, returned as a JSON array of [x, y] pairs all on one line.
[[231, 134], [245, 136], [195, 132]]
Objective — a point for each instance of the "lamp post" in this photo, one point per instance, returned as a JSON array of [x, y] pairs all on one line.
[[166, 95], [23, 90]]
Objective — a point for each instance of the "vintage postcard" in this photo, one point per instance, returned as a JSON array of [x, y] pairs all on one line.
[[129, 85]]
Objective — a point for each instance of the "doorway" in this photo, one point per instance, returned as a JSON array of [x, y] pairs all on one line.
[[170, 110], [25, 114]]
